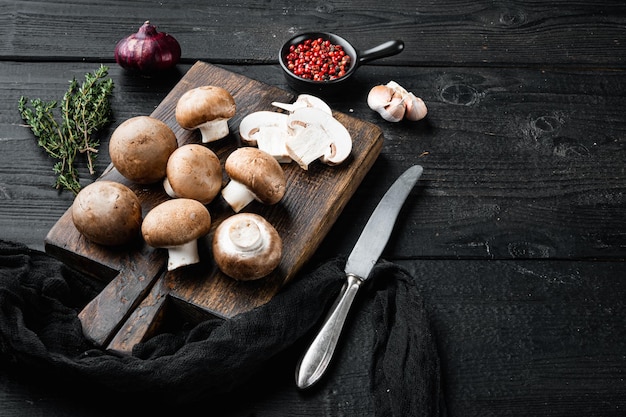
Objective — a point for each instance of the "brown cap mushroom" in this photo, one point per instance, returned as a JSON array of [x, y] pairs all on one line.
[[140, 147], [207, 108], [246, 247], [254, 175], [193, 171], [107, 213], [176, 225]]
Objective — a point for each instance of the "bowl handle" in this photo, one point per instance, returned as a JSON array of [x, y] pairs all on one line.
[[383, 50]]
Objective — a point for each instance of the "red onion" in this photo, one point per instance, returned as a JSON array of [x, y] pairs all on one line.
[[147, 50]]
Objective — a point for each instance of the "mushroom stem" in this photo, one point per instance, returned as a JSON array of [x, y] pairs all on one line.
[[168, 188], [214, 130], [246, 247], [182, 255], [246, 236], [237, 195]]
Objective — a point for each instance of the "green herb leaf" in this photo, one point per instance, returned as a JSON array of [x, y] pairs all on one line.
[[84, 110]]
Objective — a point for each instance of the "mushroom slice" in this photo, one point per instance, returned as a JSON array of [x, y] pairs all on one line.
[[107, 213], [272, 139], [266, 130], [177, 225], [207, 108], [317, 135], [304, 100], [254, 175], [246, 247], [193, 171], [308, 145]]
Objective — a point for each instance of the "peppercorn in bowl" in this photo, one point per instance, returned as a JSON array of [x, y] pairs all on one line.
[[322, 62]]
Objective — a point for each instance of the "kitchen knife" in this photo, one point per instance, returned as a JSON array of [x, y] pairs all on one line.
[[360, 263]]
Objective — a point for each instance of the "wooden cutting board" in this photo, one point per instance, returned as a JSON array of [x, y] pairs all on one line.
[[141, 295]]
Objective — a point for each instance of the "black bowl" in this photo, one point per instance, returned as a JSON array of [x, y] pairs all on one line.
[[329, 87]]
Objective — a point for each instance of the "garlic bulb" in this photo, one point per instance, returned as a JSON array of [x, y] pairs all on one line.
[[388, 104], [394, 103], [379, 96], [394, 110]]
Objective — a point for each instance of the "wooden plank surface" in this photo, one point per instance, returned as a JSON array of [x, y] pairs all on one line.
[[517, 338], [464, 33], [313, 200], [559, 130], [516, 237]]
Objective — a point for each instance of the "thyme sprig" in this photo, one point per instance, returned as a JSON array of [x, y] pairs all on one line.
[[84, 109]]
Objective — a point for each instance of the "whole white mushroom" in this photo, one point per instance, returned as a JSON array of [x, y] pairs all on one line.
[[246, 247]]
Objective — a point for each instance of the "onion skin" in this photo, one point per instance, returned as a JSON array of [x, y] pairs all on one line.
[[148, 50]]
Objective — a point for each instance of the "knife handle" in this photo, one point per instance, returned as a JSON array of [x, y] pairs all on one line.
[[317, 357]]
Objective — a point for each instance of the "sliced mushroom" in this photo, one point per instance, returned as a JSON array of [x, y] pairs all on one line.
[[254, 175], [266, 130], [308, 145], [304, 100], [140, 147], [207, 108], [246, 247], [317, 135], [107, 213], [193, 171], [177, 225]]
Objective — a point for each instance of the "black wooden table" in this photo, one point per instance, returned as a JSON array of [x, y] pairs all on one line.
[[517, 232]]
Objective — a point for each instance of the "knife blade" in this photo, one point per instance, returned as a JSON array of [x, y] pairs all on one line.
[[359, 265]]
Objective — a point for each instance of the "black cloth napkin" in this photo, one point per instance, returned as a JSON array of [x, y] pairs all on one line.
[[41, 337]]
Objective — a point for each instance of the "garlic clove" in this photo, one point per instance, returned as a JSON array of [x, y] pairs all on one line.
[[379, 97], [415, 108], [395, 111], [394, 103], [397, 88], [384, 100]]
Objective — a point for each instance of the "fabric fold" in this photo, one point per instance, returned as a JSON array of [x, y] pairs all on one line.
[[39, 331]]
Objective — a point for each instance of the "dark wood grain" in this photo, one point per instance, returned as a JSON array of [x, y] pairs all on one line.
[[561, 131], [517, 338], [465, 33], [529, 338], [516, 234]]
